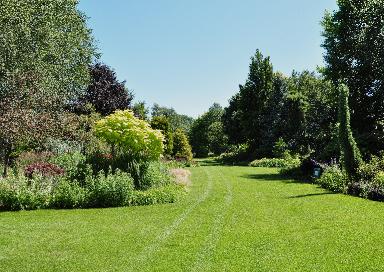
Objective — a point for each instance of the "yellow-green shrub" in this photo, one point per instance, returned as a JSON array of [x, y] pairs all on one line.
[[132, 135]]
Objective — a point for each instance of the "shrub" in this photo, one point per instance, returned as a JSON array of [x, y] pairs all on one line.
[[156, 175], [30, 157], [370, 180], [161, 195], [20, 193], [235, 154], [111, 190], [276, 162], [72, 164], [69, 195], [181, 176], [43, 168], [132, 135], [162, 123], [181, 147], [280, 149], [333, 179]]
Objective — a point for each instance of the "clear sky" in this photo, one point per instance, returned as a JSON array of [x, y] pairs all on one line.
[[188, 54]]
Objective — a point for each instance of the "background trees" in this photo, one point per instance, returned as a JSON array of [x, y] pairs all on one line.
[[300, 110], [207, 134], [45, 51], [354, 44], [176, 120]]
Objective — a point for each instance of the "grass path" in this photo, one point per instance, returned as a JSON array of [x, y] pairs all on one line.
[[233, 219]]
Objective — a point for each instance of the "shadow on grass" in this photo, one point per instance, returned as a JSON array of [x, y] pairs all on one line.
[[316, 194], [216, 162], [276, 177], [209, 162], [268, 177]]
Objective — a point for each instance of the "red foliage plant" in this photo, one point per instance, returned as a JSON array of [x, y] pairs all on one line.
[[43, 168]]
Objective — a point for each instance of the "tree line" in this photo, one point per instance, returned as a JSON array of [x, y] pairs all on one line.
[[300, 112]]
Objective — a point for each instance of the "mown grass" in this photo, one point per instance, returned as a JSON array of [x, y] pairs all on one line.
[[233, 219]]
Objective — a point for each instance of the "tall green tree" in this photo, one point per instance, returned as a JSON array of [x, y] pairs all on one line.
[[350, 153], [354, 44], [45, 51], [244, 117], [310, 115]]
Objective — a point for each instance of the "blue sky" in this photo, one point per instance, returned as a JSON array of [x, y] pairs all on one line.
[[190, 54]]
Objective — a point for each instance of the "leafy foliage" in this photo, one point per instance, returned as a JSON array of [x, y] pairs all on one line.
[[109, 190], [44, 169], [162, 123], [206, 134], [105, 93], [133, 135], [140, 110], [176, 120], [235, 154], [276, 162], [351, 157], [181, 146], [354, 53], [333, 179], [45, 51], [247, 107], [299, 110]]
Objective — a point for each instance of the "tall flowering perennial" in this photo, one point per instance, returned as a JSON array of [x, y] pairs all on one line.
[[131, 135]]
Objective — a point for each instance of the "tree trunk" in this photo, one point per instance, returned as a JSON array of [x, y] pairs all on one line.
[[7, 154]]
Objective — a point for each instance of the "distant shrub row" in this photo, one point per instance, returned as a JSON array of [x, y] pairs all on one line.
[[276, 162]]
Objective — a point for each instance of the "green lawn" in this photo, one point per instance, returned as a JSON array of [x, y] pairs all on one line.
[[233, 219]]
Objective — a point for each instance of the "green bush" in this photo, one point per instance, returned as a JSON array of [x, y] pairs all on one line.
[[160, 195], [370, 180], [69, 195], [276, 162], [72, 163], [235, 154], [20, 193], [156, 175], [132, 135], [111, 190], [280, 149], [181, 147], [333, 179]]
